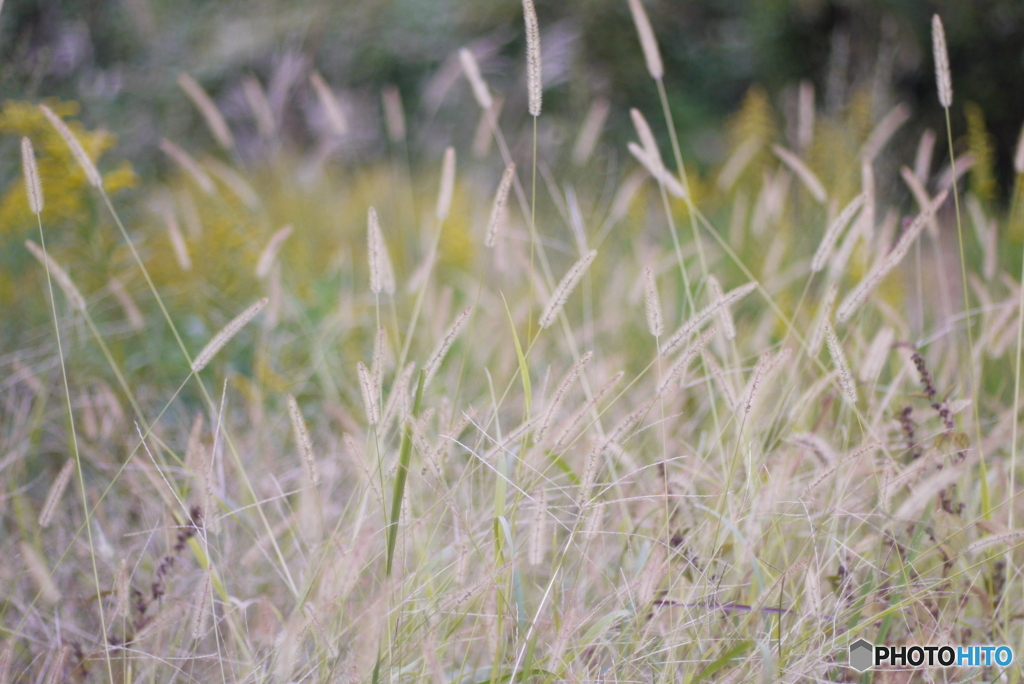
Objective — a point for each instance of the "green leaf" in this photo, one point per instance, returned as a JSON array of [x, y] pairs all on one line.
[[404, 454], [524, 371]]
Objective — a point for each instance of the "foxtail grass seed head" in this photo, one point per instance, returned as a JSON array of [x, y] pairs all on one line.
[[594, 516], [803, 172], [539, 529], [992, 540], [943, 80], [866, 286], [651, 576], [225, 334], [698, 319], [447, 188], [56, 671], [302, 438], [565, 288], [648, 43], [821, 448], [766, 364], [366, 389], [382, 275], [805, 115], [509, 440], [122, 589], [201, 605], [683, 362], [91, 172], [738, 162], [658, 170], [921, 196], [885, 129], [833, 232], [652, 304], [6, 660], [205, 105], [590, 468], [476, 81], [329, 103], [379, 359], [131, 310], [71, 292], [259, 105], [1018, 157], [590, 131], [534, 85], [484, 134], [625, 195], [33, 188], [269, 254], [189, 166], [923, 157], [647, 139], [867, 182], [574, 420], [924, 490], [559, 396], [445, 344], [724, 316], [398, 399], [723, 383], [56, 493], [846, 382], [394, 113], [177, 241], [620, 433], [166, 619], [500, 205], [817, 334], [40, 574], [875, 357]]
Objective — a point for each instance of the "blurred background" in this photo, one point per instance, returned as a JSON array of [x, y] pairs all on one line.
[[120, 60]]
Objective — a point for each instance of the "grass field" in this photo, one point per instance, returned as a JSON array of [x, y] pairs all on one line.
[[544, 411]]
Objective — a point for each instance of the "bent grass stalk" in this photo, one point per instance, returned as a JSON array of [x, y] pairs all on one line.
[[35, 193], [95, 179], [945, 88]]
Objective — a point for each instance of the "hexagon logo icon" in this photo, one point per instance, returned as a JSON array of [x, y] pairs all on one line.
[[860, 655]]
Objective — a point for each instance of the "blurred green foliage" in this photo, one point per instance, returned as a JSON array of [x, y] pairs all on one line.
[[120, 59]]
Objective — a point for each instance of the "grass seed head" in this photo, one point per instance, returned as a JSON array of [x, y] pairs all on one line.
[[382, 274], [64, 281], [472, 70], [269, 254], [225, 334], [565, 287], [534, 86], [943, 80], [329, 103], [83, 159], [33, 187], [648, 43], [500, 205], [652, 304], [56, 494], [214, 119], [447, 187]]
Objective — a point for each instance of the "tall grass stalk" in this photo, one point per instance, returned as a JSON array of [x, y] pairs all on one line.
[[945, 89], [35, 194]]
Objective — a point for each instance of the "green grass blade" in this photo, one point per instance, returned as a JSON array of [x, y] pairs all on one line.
[[404, 454], [524, 370]]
